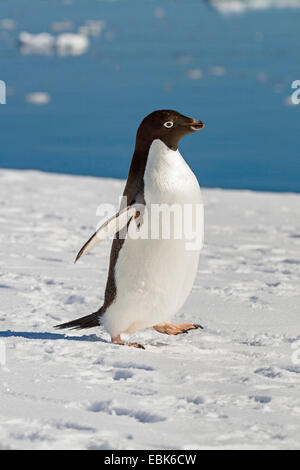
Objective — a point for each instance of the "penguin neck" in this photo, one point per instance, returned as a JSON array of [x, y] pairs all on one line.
[[144, 149], [161, 156]]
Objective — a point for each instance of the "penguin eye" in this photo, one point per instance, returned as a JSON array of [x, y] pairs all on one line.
[[169, 124]]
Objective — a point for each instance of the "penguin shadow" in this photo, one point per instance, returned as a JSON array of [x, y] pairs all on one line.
[[49, 336]]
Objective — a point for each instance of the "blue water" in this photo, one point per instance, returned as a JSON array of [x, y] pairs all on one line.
[[141, 63]]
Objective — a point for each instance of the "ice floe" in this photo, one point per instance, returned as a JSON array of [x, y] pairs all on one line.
[[91, 28], [71, 44], [8, 24], [238, 6], [195, 74], [41, 43], [45, 43], [38, 98]]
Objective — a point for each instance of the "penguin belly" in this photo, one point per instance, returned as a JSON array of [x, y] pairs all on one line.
[[154, 277]]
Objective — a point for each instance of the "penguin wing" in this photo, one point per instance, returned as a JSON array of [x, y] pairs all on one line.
[[109, 228]]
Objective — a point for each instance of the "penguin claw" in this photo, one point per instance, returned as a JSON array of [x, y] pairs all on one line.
[[117, 340], [135, 345], [196, 326]]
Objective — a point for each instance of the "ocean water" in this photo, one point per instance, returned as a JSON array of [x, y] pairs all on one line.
[[232, 71]]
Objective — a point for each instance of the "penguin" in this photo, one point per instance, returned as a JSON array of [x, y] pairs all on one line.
[[149, 279]]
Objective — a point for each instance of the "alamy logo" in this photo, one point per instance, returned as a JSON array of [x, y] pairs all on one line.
[[153, 222], [2, 92], [296, 95]]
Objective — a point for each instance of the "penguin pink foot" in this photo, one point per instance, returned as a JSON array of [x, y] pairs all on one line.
[[176, 328], [118, 340]]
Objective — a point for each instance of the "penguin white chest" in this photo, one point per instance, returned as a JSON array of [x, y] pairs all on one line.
[[168, 178], [154, 275]]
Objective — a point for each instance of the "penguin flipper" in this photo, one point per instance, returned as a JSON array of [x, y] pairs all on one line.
[[109, 228]]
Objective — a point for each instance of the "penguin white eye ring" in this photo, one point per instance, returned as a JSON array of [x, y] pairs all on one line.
[[169, 124]]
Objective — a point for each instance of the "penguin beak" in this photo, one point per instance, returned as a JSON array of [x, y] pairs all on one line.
[[196, 125]]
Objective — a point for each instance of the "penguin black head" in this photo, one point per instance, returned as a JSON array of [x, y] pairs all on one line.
[[167, 125]]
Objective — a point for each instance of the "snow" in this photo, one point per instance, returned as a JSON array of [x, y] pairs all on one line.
[[234, 384]]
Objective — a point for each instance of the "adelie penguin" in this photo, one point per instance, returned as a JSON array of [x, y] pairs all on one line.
[[149, 279]]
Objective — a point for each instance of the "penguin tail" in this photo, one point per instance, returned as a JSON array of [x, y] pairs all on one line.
[[89, 321]]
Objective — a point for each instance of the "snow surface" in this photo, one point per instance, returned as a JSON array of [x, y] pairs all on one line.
[[233, 385]]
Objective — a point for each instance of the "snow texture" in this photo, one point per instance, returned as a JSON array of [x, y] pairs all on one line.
[[234, 384]]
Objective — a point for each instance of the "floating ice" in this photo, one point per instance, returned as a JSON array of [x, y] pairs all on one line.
[[35, 43], [195, 74], [159, 13], [38, 98], [218, 71], [92, 28], [238, 6], [59, 26], [7, 23], [261, 76], [71, 44], [45, 43]]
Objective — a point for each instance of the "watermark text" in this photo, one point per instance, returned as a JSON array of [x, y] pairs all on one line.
[[2, 92], [296, 95], [154, 222]]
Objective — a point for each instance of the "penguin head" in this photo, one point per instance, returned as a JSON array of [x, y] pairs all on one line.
[[167, 125]]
